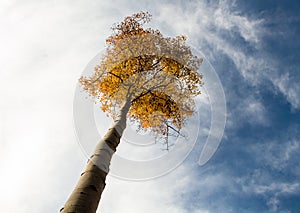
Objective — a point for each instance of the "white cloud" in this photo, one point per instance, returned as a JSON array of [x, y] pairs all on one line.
[[273, 192], [229, 20], [278, 154], [250, 110], [42, 56], [159, 195], [278, 188], [290, 87]]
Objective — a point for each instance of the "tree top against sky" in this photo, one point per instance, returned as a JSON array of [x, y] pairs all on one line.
[[156, 75]]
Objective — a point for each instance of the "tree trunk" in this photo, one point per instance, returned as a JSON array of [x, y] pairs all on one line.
[[86, 195]]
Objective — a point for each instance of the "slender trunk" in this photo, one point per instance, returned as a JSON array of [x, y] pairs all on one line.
[[86, 195]]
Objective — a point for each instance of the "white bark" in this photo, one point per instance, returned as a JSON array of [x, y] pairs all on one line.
[[86, 195]]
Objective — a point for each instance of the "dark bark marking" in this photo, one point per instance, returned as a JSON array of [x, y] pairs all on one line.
[[92, 187]]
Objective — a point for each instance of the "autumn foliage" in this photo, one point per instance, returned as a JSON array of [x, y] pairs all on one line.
[[156, 74]]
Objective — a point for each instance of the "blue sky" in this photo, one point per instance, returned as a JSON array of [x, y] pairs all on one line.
[[254, 48]]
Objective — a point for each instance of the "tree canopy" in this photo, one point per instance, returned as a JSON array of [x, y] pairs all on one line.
[[156, 74]]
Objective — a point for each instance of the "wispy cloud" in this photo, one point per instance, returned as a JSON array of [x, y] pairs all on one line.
[[240, 38], [279, 154], [273, 179]]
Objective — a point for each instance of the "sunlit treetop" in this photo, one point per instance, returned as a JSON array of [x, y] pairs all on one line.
[[156, 74]]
